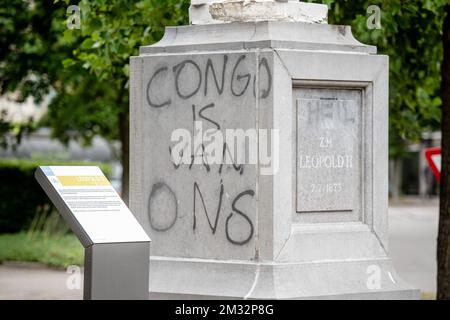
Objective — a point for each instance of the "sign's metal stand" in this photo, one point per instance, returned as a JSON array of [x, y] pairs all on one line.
[[116, 271]]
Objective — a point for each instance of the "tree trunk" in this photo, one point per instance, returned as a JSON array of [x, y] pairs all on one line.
[[124, 123], [443, 251]]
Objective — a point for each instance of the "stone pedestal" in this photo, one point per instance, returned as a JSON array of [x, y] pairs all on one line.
[[308, 218]]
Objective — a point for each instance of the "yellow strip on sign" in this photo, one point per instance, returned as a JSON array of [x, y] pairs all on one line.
[[72, 181]]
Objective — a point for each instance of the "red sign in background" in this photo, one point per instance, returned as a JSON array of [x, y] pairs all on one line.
[[433, 156]]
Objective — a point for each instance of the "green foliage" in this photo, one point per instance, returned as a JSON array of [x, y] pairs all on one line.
[[411, 37], [112, 31], [83, 109], [52, 250], [30, 58], [95, 97], [21, 197], [31, 54]]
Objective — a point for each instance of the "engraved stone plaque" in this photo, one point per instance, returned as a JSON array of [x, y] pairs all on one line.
[[328, 150]]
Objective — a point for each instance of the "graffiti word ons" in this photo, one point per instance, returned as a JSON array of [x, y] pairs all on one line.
[[163, 211]]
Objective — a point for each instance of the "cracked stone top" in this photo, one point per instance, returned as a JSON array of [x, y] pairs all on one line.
[[225, 11]]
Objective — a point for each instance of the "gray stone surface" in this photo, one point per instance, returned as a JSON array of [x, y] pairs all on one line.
[[222, 231], [167, 211], [225, 11], [257, 35]]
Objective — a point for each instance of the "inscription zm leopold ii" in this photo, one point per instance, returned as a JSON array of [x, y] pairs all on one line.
[[328, 149]]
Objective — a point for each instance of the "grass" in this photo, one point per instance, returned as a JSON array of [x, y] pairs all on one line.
[[47, 241], [52, 250]]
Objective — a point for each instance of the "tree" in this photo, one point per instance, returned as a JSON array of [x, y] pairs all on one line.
[[29, 59], [34, 49], [31, 55], [443, 251]]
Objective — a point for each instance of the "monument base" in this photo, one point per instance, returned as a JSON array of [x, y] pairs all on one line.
[[214, 279], [330, 242]]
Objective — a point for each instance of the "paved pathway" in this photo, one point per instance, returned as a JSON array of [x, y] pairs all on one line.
[[413, 238], [27, 281]]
